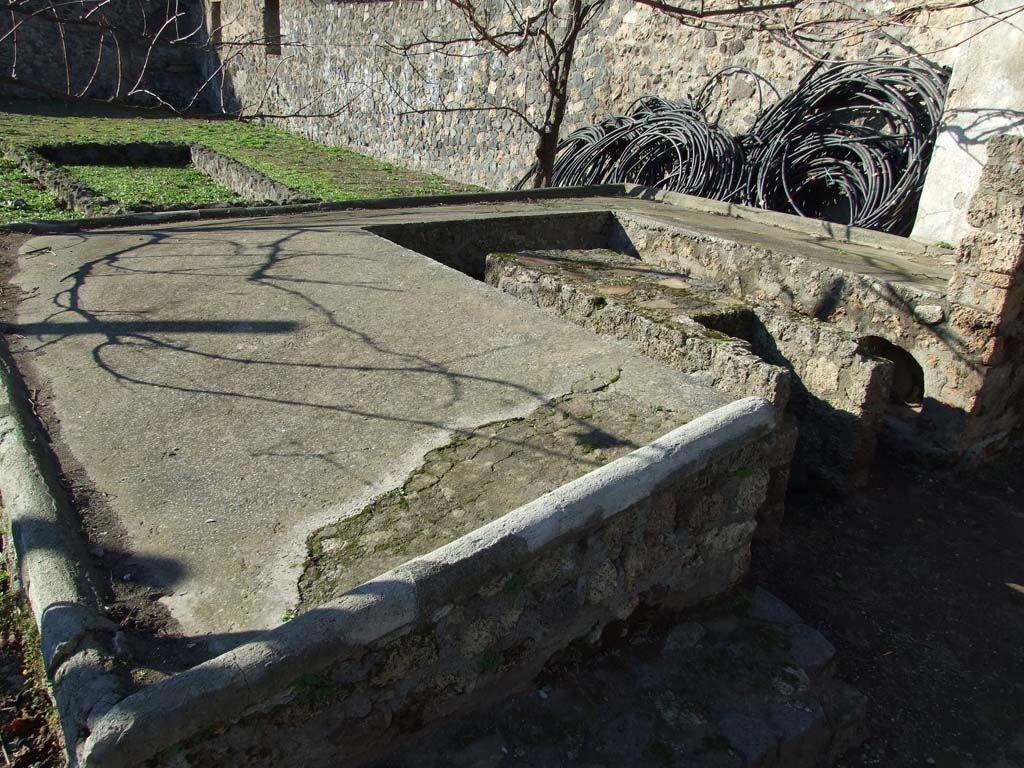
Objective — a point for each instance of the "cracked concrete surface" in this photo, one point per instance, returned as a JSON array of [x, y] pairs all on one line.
[[230, 387]]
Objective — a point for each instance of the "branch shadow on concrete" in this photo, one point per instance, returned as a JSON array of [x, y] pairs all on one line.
[[135, 583]]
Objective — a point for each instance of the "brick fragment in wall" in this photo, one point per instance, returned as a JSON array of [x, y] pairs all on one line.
[[977, 333], [991, 292]]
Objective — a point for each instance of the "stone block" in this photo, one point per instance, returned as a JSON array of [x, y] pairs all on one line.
[[754, 739], [993, 251], [811, 650], [992, 292], [1011, 215], [983, 210], [996, 279], [767, 607], [997, 212], [804, 733], [930, 314], [1004, 169]]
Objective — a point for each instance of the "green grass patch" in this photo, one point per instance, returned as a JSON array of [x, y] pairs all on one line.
[[135, 186], [23, 199], [315, 170]]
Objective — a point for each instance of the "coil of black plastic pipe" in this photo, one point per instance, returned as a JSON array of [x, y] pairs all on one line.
[[850, 144]]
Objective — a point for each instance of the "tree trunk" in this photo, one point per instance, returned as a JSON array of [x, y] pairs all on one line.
[[547, 145]]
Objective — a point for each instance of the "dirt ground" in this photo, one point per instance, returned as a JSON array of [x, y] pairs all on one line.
[[915, 582]]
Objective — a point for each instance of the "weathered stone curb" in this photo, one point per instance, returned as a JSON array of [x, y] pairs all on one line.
[[250, 677], [46, 557], [379, 203], [245, 181], [75, 194], [825, 230]]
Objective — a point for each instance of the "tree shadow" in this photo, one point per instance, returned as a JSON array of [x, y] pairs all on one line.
[[80, 310]]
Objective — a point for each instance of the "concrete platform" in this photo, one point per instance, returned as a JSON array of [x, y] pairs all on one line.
[[332, 485], [228, 389]]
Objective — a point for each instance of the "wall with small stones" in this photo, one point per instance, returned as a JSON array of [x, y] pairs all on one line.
[[687, 541], [988, 288], [82, 61], [966, 336], [72, 193], [837, 393], [44, 164], [725, 363], [336, 63]]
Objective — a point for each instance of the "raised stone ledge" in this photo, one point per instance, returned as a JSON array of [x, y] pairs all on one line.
[[615, 296], [74, 194], [246, 182], [669, 524], [840, 392]]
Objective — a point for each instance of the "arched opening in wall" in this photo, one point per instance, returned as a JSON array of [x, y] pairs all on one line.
[[908, 376], [272, 26]]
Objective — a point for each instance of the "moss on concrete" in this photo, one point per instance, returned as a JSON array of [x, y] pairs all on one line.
[[479, 476]]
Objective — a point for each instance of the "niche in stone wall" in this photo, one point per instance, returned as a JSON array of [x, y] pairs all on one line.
[[272, 26], [908, 376]]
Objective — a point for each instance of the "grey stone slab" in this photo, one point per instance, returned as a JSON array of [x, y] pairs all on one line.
[[923, 271], [230, 387], [767, 607], [811, 649]]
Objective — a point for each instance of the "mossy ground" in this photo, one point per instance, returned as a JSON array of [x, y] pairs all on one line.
[[479, 476], [316, 171]]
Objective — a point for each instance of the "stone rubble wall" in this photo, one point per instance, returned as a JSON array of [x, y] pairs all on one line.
[[967, 338], [246, 182], [727, 364], [837, 394], [75, 195], [988, 288], [44, 164], [742, 673], [171, 72], [336, 57], [710, 358], [687, 541], [918, 320], [840, 395]]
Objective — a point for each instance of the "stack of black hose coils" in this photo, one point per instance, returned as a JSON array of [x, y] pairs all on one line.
[[661, 144], [850, 144]]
